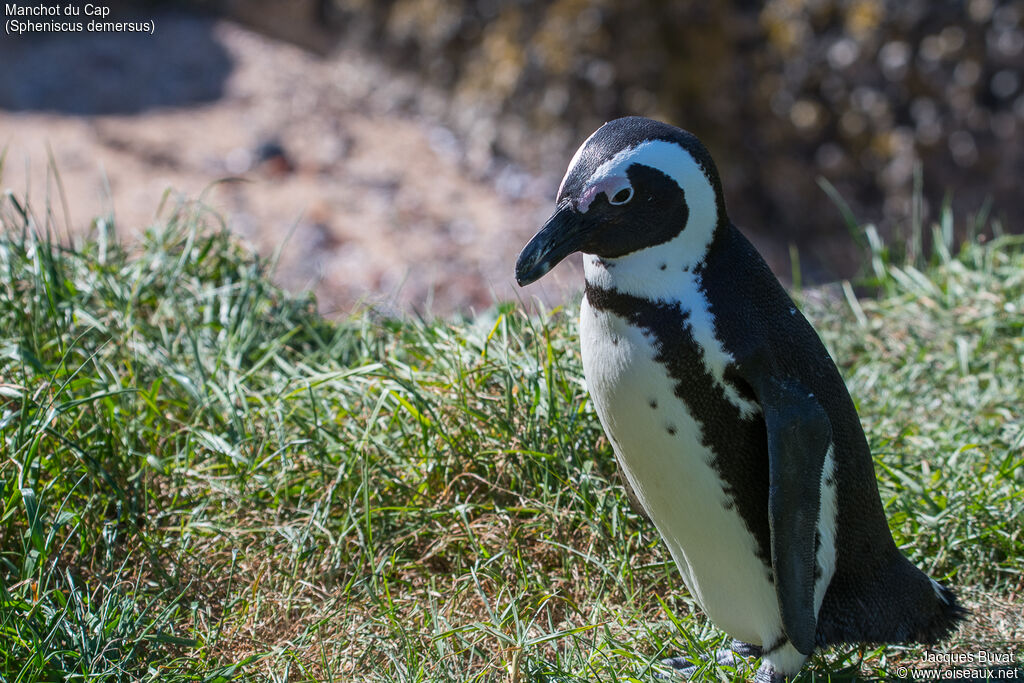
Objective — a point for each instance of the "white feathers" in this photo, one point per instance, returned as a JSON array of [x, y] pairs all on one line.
[[939, 592], [672, 285], [785, 660], [659, 445], [827, 510], [575, 160]]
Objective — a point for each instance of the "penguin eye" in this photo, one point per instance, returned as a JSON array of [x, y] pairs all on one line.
[[622, 196]]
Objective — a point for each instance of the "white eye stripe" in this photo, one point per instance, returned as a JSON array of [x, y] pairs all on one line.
[[575, 160]]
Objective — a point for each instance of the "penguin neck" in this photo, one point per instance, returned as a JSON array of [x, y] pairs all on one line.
[[663, 272]]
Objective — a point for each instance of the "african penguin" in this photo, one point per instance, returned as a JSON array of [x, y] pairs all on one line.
[[727, 416]]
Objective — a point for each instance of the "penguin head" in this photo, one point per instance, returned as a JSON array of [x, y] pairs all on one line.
[[633, 185]]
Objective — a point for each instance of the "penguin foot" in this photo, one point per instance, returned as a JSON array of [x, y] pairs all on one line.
[[746, 649], [686, 667], [768, 674], [780, 663]]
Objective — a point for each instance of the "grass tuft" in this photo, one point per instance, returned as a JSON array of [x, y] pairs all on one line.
[[203, 479]]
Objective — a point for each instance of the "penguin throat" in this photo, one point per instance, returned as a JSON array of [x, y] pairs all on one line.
[[657, 273]]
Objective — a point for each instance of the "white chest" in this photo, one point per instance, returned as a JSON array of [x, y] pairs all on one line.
[[660, 448]]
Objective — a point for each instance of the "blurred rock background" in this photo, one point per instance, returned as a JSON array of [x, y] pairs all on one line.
[[417, 143], [855, 91]]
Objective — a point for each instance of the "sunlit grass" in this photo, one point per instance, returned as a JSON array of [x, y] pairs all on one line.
[[204, 479]]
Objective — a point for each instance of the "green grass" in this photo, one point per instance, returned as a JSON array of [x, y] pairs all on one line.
[[203, 479]]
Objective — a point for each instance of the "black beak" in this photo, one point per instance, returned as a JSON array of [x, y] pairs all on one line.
[[562, 234]]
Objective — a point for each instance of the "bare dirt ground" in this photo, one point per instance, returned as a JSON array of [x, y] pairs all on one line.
[[368, 201]]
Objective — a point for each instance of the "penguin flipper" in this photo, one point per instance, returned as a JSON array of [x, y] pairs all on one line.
[[799, 435]]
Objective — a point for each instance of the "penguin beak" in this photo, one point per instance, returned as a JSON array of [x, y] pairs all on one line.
[[562, 234]]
